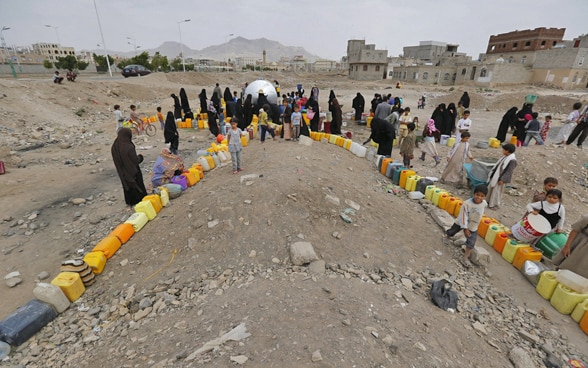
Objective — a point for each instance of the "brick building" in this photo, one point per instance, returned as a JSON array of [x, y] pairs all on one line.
[[527, 40], [365, 62]]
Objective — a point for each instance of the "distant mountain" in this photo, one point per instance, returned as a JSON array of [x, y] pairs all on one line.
[[236, 47]]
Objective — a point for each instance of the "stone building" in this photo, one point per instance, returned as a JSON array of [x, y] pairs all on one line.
[[365, 62], [528, 40], [565, 67], [52, 51]]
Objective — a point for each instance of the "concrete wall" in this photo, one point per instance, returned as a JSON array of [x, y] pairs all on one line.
[[561, 78], [370, 74]]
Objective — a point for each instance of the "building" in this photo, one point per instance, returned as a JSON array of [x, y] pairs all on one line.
[[365, 62], [428, 51], [53, 51], [564, 67], [528, 40]]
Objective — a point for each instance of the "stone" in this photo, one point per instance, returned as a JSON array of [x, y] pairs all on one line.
[[302, 253], [532, 338], [275, 260], [442, 218], [520, 358], [145, 303], [212, 224], [43, 275], [317, 267], [352, 204], [388, 340], [316, 355], [332, 199], [480, 256], [407, 283], [12, 282], [248, 178], [11, 275], [304, 140], [479, 327], [239, 359], [78, 201]]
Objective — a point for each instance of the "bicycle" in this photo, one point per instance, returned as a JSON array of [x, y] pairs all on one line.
[[137, 129]]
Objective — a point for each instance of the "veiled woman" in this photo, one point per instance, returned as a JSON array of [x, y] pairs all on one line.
[[508, 120], [127, 163], [313, 103], [170, 133], [358, 104], [165, 167]]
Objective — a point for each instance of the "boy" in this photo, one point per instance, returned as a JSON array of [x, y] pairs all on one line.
[[469, 219], [118, 116], [455, 160], [296, 118], [500, 175], [264, 123], [161, 118], [533, 127], [404, 120], [463, 125], [407, 146], [545, 128], [548, 184]]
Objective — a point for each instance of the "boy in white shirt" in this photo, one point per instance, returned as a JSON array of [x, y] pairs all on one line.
[[463, 125], [296, 118]]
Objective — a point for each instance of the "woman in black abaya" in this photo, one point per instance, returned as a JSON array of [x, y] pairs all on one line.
[[337, 117], [170, 133], [239, 115], [203, 102], [383, 134], [439, 115], [358, 104], [451, 116], [127, 163], [508, 120], [312, 103], [465, 100], [248, 110], [177, 106]]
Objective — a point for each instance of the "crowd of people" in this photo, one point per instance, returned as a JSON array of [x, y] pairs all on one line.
[[390, 121]]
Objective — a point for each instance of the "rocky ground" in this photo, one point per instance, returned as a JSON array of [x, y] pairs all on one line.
[[219, 256]]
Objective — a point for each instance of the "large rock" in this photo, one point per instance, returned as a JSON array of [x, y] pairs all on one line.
[[520, 358], [441, 217], [480, 256], [302, 253]]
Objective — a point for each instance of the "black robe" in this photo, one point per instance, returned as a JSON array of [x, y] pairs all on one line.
[[248, 110], [358, 104], [314, 122], [465, 100], [337, 117], [508, 120], [227, 96], [127, 163], [261, 100], [230, 108], [451, 117], [203, 104], [185, 105], [520, 121], [170, 133], [383, 134], [177, 106], [440, 116], [240, 116]]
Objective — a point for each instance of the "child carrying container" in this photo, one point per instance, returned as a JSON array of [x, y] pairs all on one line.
[[468, 220]]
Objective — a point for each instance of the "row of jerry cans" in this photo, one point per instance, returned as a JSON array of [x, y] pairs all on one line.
[[555, 287], [443, 199], [354, 147]]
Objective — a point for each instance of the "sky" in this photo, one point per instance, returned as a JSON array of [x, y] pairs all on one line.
[[322, 27]]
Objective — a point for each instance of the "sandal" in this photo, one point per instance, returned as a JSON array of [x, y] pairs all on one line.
[[235, 171]]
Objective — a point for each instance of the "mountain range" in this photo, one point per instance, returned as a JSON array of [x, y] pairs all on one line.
[[236, 47]]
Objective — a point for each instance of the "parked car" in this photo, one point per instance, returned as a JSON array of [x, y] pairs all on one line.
[[135, 71]]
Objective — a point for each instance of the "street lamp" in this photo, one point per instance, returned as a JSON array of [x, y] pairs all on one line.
[[181, 45], [56, 32], [102, 37], [226, 59], [134, 43], [4, 28]]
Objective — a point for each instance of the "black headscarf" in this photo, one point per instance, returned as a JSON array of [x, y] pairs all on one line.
[[384, 134], [248, 110], [451, 116], [331, 98], [465, 100], [185, 104], [239, 115], [177, 106], [261, 100], [170, 130], [216, 101], [227, 95]]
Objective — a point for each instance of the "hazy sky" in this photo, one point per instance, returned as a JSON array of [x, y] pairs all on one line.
[[322, 27]]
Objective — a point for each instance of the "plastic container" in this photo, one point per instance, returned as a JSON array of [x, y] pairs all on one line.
[[26, 321], [510, 250], [584, 323], [217, 161], [500, 242], [416, 195], [429, 190], [547, 284], [138, 220], [404, 174], [155, 201], [333, 139], [181, 181], [422, 184], [457, 207], [565, 299], [580, 310], [123, 232], [391, 168], [190, 178], [53, 295], [493, 231], [437, 195], [396, 174], [96, 261], [347, 144], [109, 245], [450, 141], [411, 183], [147, 208], [450, 205], [551, 244], [358, 150], [384, 164], [443, 199], [526, 254], [210, 161], [484, 224], [71, 284], [443, 140], [164, 196], [204, 163], [572, 280], [530, 99]]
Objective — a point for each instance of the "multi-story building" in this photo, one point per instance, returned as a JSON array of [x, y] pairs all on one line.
[[52, 51], [365, 62]]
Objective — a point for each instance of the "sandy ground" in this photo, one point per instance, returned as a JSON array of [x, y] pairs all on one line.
[[359, 313]]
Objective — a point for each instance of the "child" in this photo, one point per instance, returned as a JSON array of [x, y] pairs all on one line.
[[550, 208], [118, 116], [286, 120], [407, 146], [420, 104], [296, 118], [221, 121], [415, 120], [501, 174], [404, 121], [468, 220], [548, 184], [160, 117], [456, 158], [429, 142], [545, 128], [533, 126], [264, 123], [463, 125], [235, 147]]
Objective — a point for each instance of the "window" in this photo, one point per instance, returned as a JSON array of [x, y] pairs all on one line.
[[528, 44], [514, 45], [377, 68], [365, 68], [543, 43], [524, 60], [454, 77], [446, 76], [425, 75], [483, 72], [414, 75], [554, 43], [463, 71], [581, 61]]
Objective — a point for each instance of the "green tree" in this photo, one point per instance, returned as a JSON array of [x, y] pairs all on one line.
[[82, 65], [67, 62], [47, 64], [101, 63], [141, 59], [159, 62]]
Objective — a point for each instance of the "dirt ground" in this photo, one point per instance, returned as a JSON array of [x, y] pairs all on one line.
[[218, 256]]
